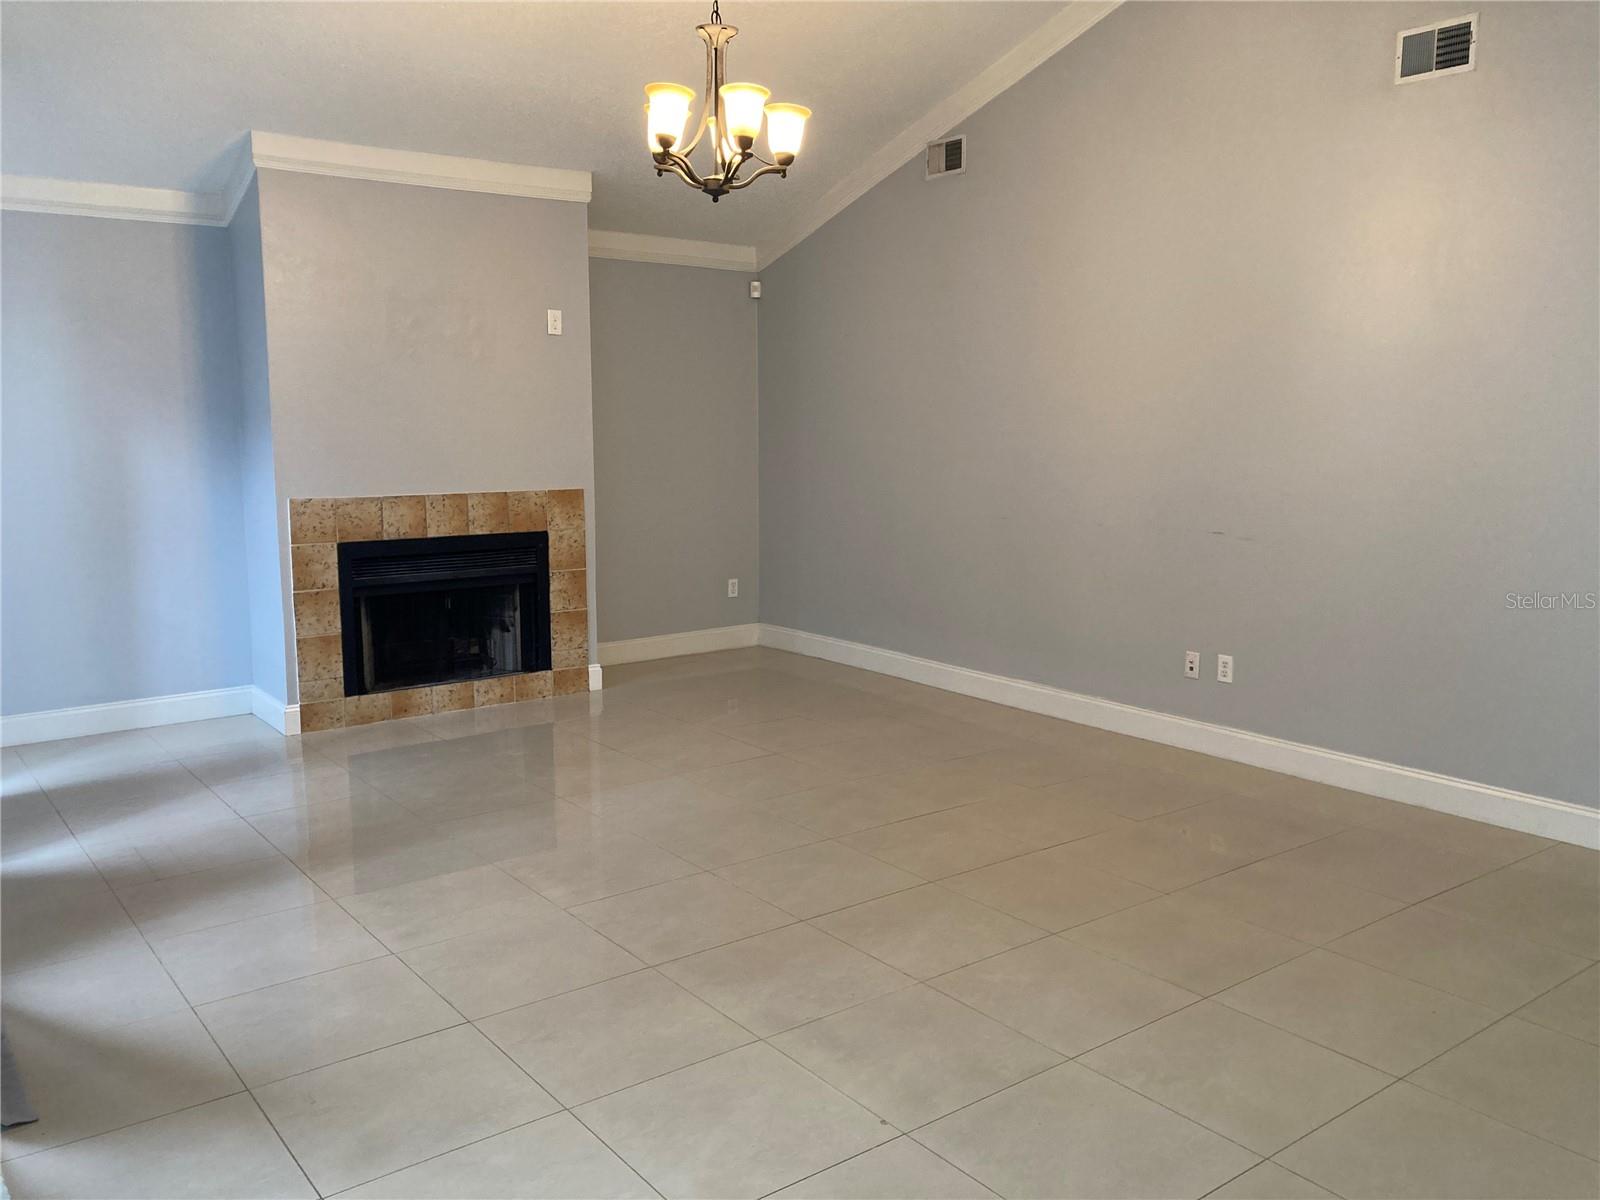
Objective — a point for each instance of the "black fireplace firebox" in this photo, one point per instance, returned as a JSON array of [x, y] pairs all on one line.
[[420, 611]]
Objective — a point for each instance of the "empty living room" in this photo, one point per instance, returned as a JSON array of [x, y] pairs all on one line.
[[836, 599]]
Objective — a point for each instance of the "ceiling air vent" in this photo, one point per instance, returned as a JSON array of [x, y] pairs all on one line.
[[1443, 48], [948, 157]]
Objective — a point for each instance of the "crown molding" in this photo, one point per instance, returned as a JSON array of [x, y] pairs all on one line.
[[680, 252], [312, 156], [1049, 39], [72, 198], [281, 152]]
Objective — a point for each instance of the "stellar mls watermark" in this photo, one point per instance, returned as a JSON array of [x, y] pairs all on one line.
[[1553, 601]]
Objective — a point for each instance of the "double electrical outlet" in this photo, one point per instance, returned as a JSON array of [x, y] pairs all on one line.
[[1191, 666]]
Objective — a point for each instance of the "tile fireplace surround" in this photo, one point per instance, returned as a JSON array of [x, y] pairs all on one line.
[[317, 526]]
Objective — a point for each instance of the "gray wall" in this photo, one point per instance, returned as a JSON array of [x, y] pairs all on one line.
[[675, 450], [406, 341], [259, 493], [1224, 343], [121, 575]]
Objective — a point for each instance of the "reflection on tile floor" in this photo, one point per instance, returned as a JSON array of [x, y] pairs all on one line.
[[748, 924]]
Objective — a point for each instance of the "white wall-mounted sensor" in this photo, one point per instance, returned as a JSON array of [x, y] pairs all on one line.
[[755, 289]]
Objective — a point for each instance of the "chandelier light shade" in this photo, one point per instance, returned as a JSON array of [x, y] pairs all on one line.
[[742, 104], [731, 118], [786, 125], [668, 113]]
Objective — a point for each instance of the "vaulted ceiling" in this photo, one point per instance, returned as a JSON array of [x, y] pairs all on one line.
[[162, 95]]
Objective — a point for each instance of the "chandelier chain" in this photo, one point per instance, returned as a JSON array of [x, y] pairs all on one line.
[[716, 12]]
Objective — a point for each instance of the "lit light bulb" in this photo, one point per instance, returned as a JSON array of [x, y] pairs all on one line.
[[666, 114], [741, 108], [786, 126]]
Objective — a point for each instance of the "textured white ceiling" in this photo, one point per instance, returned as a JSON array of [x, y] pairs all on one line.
[[162, 94]]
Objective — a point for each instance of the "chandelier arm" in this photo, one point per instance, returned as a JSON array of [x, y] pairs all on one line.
[[715, 67], [699, 133], [707, 108], [683, 171], [774, 169]]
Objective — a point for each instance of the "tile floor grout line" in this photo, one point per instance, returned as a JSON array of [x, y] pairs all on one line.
[[334, 1062], [1280, 1167], [1306, 1037], [1329, 948], [1490, 1116], [239, 1079], [938, 882], [89, 1137], [472, 1020], [1309, 948], [1512, 1015], [321, 898], [912, 1132], [622, 1158], [564, 1111], [1322, 1125], [282, 1141], [836, 1090], [906, 1137], [277, 851], [1493, 927], [1260, 1157], [755, 1039], [500, 1012], [387, 953]]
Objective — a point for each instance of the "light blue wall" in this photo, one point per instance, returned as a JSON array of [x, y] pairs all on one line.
[[259, 488], [121, 573]]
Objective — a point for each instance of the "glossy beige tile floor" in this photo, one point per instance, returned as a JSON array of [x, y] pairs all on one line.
[[751, 924]]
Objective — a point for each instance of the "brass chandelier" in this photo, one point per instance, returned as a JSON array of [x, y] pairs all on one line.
[[731, 119]]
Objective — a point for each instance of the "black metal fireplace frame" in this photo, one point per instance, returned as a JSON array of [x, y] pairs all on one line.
[[472, 560]]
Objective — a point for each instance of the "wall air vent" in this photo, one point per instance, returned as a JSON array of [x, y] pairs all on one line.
[[948, 157], [1443, 48]]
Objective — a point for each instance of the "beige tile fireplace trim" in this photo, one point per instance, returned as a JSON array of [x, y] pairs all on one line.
[[317, 526]]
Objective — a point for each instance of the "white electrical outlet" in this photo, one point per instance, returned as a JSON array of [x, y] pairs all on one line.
[[1191, 664], [733, 588], [552, 321], [1224, 668]]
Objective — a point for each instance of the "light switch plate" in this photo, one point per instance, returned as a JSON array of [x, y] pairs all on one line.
[[552, 321]]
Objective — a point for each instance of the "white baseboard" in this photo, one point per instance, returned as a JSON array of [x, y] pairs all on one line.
[[670, 645], [285, 718], [1540, 815], [594, 677], [26, 728]]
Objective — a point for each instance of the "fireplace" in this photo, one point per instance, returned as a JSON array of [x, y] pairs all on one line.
[[422, 611], [487, 589]]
